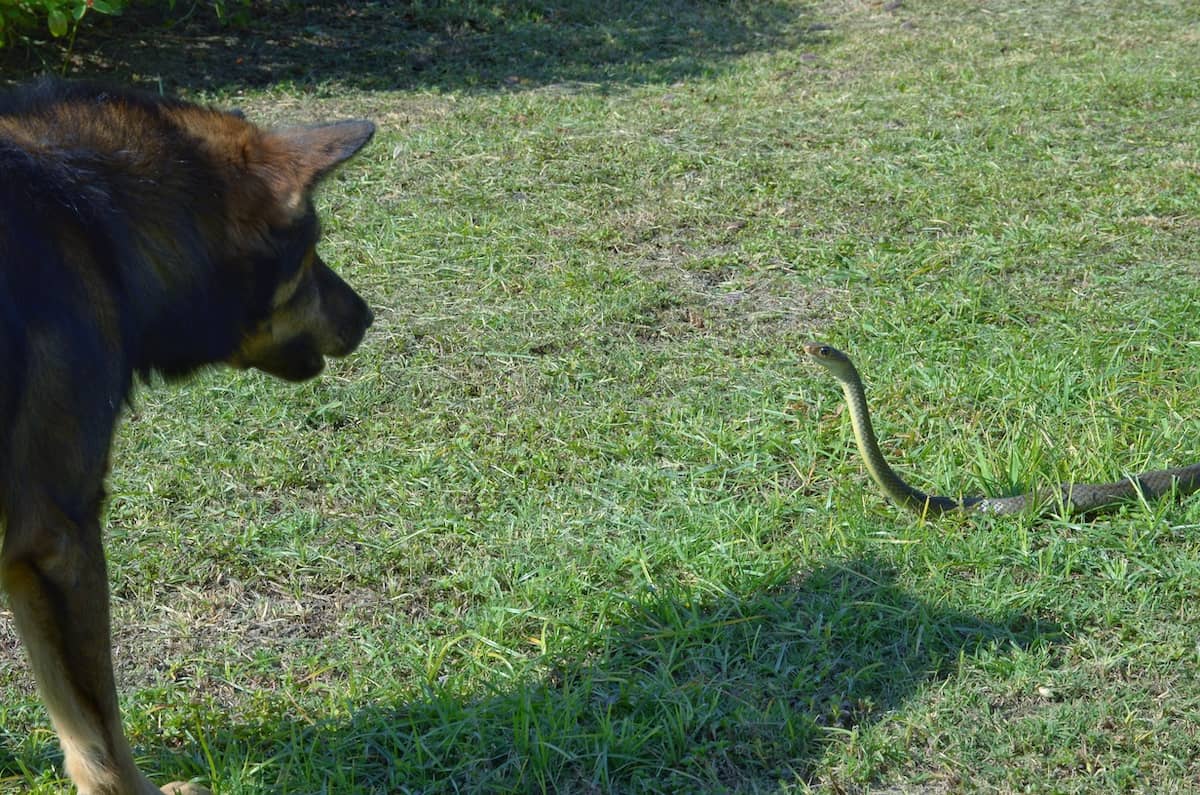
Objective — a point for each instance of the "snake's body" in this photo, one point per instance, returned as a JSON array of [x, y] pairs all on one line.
[[1066, 498]]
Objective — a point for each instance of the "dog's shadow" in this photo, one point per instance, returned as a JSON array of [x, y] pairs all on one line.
[[735, 693], [453, 45]]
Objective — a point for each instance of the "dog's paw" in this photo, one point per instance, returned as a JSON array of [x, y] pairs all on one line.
[[184, 788]]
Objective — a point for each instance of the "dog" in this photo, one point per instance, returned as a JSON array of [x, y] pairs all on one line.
[[139, 235]]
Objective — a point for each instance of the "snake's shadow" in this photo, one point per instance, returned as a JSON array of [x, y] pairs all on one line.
[[684, 694]]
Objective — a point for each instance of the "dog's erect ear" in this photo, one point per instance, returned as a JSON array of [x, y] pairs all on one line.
[[294, 159], [320, 149]]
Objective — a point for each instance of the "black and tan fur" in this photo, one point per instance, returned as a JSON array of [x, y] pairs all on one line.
[[138, 235]]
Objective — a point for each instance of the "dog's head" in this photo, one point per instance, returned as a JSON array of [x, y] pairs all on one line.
[[311, 312]]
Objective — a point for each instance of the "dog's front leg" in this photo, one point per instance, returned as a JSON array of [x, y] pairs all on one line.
[[52, 566]]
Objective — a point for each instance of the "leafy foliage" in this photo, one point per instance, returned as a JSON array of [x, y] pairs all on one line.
[[63, 17], [59, 16]]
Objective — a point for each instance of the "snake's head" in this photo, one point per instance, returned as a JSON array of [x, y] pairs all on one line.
[[830, 357], [819, 350]]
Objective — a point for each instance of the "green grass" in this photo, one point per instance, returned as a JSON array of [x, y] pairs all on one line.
[[578, 518]]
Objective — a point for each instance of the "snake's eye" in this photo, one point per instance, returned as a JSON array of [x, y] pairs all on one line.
[[824, 351]]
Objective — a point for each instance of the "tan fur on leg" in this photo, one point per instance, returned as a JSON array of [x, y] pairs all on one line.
[[54, 573]]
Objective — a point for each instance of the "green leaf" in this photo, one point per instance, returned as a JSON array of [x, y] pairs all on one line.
[[108, 6], [58, 22]]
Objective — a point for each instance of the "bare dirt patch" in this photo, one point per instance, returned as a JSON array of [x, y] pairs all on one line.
[[233, 620]]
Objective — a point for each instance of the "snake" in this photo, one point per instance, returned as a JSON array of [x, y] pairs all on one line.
[[1065, 498]]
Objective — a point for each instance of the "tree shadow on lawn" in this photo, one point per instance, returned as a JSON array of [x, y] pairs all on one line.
[[732, 694], [444, 44]]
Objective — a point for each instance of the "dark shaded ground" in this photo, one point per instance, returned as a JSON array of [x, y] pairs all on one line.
[[451, 44], [749, 688], [760, 682]]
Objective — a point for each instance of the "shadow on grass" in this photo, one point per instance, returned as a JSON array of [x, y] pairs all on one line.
[[444, 44], [732, 694]]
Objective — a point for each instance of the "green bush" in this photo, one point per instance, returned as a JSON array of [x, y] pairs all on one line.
[[62, 17], [59, 16]]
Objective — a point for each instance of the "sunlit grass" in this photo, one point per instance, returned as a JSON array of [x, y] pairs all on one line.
[[578, 518]]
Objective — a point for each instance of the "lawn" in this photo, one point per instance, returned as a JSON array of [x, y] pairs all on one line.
[[578, 517]]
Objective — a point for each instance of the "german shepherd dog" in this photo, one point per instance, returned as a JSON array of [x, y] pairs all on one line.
[[138, 235]]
